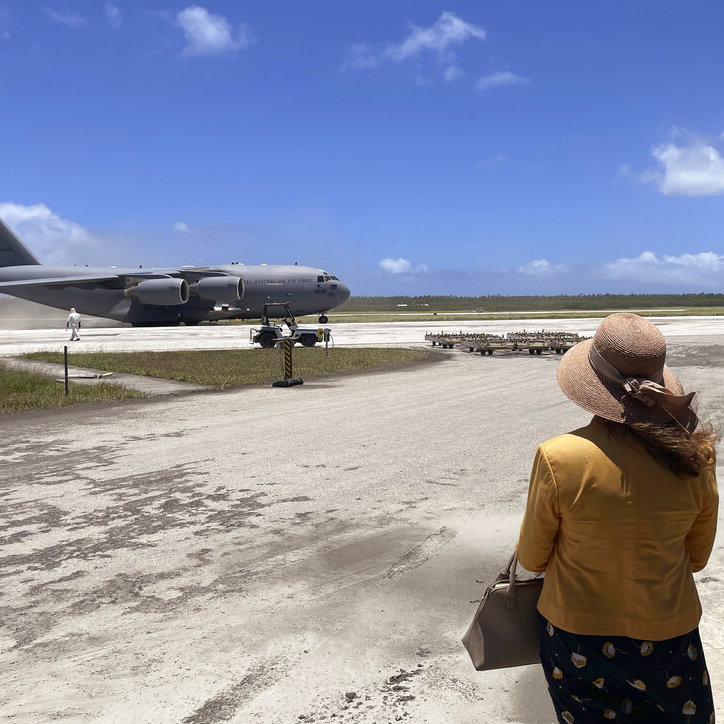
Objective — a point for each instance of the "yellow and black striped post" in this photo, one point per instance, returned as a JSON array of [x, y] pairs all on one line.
[[288, 380], [288, 347]]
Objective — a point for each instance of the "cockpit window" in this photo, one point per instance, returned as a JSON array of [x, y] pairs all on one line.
[[334, 279], [320, 278]]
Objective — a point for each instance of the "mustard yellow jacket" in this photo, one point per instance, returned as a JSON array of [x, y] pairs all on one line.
[[617, 534]]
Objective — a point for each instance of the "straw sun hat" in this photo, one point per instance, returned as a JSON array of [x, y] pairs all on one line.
[[620, 375]]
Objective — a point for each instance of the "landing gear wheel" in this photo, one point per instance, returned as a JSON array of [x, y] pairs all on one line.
[[266, 340], [323, 319]]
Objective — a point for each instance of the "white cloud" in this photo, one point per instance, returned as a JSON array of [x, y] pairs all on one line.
[[447, 32], [500, 78], [53, 239], [4, 17], [705, 260], [541, 267], [690, 269], [209, 34], [695, 170], [452, 72], [395, 266], [498, 160], [181, 226], [401, 266], [360, 56], [66, 18], [113, 13]]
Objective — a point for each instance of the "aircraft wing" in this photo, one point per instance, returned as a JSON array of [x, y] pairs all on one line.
[[85, 279], [198, 272], [56, 281], [192, 274]]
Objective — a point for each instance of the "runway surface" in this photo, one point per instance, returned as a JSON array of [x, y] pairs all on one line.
[[286, 555], [109, 339]]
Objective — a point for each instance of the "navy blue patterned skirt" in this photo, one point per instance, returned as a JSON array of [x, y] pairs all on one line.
[[615, 678]]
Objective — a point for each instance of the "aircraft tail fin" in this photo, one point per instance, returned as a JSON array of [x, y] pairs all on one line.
[[12, 251]]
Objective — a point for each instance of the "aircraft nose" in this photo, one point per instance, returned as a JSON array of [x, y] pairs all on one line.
[[342, 292]]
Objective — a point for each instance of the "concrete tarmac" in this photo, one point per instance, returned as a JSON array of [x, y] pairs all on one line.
[[364, 334], [287, 555]]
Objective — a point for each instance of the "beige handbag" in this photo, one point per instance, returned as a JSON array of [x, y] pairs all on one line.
[[505, 628]]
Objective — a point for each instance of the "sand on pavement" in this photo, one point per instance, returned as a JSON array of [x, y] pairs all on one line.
[[284, 555]]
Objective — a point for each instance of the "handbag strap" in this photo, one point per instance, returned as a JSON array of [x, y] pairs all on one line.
[[507, 575], [510, 574]]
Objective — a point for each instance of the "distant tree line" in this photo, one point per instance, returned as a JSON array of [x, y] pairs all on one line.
[[501, 303]]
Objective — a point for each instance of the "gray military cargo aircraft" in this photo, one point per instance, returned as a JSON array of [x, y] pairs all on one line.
[[161, 297]]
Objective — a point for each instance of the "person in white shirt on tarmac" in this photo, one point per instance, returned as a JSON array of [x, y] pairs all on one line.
[[73, 323]]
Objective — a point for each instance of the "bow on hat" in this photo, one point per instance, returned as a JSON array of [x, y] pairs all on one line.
[[646, 391]]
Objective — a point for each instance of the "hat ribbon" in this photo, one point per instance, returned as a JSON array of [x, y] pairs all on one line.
[[650, 393]]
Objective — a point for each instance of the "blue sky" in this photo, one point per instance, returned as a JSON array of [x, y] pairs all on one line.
[[409, 147]]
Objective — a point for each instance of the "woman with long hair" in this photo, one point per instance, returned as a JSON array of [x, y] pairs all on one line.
[[619, 514]]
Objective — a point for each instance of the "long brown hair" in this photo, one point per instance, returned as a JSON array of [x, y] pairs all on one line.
[[685, 454]]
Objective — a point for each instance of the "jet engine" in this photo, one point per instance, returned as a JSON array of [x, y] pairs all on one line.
[[228, 290], [166, 291]]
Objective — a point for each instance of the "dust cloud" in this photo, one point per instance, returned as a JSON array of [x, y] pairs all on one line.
[[20, 314]]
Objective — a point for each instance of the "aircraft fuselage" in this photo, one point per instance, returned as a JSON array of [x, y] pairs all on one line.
[[166, 296], [307, 290]]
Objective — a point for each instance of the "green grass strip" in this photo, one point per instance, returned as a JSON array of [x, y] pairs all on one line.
[[222, 369], [21, 390]]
